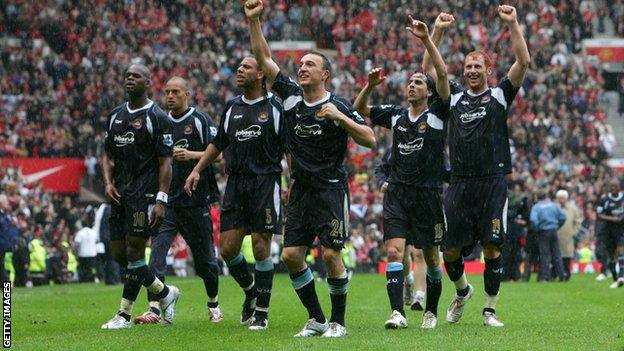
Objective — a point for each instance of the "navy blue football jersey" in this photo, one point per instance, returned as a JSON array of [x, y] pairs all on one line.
[[135, 139], [478, 135], [417, 142], [318, 146], [192, 131], [250, 135], [610, 205]]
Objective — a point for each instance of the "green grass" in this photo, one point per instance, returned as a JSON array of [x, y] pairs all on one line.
[[580, 315]]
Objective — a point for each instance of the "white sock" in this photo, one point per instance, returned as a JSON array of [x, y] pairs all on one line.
[[490, 301], [154, 304], [126, 306], [156, 287], [420, 295], [410, 278], [461, 283]]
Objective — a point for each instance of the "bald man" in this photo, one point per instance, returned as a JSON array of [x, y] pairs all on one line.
[[137, 175], [189, 215]]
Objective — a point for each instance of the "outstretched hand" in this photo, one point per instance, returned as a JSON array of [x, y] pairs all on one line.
[[376, 77], [253, 8], [418, 28]]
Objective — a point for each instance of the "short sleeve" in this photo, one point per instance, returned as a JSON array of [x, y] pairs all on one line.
[[600, 207], [210, 129], [382, 115], [278, 118], [440, 108], [220, 140], [455, 87], [509, 91], [346, 108], [108, 137], [163, 134], [285, 87]]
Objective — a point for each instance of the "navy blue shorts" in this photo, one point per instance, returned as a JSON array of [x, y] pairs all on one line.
[[316, 212], [414, 214], [476, 212]]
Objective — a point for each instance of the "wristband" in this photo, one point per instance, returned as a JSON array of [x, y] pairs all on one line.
[[162, 197]]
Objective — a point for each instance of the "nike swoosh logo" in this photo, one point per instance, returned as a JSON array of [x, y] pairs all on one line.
[[33, 177]]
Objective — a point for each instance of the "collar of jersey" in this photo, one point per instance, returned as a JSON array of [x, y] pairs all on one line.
[[618, 198], [251, 102], [327, 96], [475, 95], [409, 115], [190, 111], [146, 106]]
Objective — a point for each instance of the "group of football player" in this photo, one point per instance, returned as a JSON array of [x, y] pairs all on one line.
[[159, 179]]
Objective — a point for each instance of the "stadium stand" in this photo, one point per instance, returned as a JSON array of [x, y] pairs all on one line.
[[61, 63]]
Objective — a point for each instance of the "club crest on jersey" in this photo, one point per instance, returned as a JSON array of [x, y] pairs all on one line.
[[253, 131], [188, 129], [485, 99], [182, 143], [263, 117], [473, 115], [308, 131], [410, 147], [123, 140], [422, 127], [137, 123], [167, 139]]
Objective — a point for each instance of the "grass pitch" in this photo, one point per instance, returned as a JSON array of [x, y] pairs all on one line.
[[580, 315]]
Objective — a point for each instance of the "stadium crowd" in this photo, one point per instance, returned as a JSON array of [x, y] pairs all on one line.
[[61, 65]]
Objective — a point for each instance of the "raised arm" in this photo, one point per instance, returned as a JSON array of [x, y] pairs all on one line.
[[518, 45], [419, 29], [375, 78], [259, 45], [443, 21]]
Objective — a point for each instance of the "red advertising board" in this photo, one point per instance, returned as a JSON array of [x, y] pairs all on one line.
[[56, 174], [606, 49], [282, 50], [617, 164]]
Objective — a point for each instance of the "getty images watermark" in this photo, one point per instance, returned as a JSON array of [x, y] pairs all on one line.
[[6, 314]]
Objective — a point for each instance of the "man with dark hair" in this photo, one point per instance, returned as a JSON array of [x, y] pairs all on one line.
[[137, 175], [611, 211], [476, 199], [412, 203], [192, 131], [317, 126], [250, 136]]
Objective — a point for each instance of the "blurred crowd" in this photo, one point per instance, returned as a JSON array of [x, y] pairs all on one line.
[[45, 225], [62, 63]]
